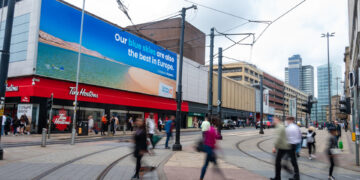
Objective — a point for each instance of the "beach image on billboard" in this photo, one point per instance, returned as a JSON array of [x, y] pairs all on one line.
[[111, 57]]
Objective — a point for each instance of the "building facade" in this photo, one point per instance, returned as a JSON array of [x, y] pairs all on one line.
[[299, 76], [276, 93], [294, 98], [243, 72], [323, 92]]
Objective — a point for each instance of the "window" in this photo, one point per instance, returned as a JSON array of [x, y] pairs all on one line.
[[230, 70], [256, 74], [246, 70], [256, 81], [251, 72], [246, 78], [251, 80], [236, 78]]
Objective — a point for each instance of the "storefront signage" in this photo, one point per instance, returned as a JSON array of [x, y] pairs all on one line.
[[196, 114], [83, 92], [25, 110], [25, 99], [61, 121], [12, 88], [113, 58]]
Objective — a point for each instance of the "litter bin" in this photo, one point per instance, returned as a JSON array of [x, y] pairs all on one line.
[[83, 128]]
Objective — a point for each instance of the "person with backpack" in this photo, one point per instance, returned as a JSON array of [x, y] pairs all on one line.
[[310, 139]]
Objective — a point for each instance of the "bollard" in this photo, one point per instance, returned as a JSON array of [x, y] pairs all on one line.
[[43, 139]]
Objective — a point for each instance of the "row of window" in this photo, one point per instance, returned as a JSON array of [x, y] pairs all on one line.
[[239, 69], [247, 79]]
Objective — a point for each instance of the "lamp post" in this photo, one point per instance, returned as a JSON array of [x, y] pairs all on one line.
[[328, 35], [77, 76], [177, 146]]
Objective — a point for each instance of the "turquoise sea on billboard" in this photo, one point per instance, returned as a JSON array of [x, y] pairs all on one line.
[[61, 63]]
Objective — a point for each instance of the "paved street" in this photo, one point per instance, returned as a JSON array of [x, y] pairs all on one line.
[[243, 154]]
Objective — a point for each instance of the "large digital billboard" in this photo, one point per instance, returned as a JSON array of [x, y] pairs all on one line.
[[111, 57]]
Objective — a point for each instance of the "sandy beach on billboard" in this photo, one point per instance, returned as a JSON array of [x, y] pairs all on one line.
[[144, 81]]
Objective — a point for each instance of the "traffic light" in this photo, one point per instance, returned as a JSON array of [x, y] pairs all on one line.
[[345, 106], [49, 102], [308, 104]]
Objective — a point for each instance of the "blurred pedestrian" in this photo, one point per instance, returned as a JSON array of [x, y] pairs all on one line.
[[16, 124], [22, 124], [160, 124], [205, 126], [210, 137], [104, 123], [281, 147], [338, 132], [293, 134], [91, 123], [8, 123], [150, 126], [112, 124], [140, 140], [131, 124], [310, 138], [3, 125], [346, 125], [332, 145], [168, 129]]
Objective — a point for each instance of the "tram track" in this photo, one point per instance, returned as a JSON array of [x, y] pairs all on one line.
[[259, 159]]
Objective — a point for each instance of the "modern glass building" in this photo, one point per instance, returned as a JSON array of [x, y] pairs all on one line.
[[323, 93], [298, 76]]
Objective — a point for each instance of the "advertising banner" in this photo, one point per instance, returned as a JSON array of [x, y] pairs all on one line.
[[111, 57], [292, 107], [266, 101], [25, 109]]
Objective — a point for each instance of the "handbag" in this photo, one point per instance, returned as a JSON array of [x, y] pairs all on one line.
[[199, 147], [341, 146], [155, 139], [335, 151]]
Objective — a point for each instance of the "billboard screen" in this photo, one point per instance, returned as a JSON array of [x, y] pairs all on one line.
[[111, 57]]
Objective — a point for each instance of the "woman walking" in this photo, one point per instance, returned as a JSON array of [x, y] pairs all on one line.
[[140, 139], [310, 138], [210, 137]]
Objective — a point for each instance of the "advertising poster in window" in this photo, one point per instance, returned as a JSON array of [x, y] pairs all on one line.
[[25, 110], [111, 57]]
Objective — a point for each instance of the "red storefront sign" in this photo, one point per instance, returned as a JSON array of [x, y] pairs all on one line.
[[25, 99], [43, 87], [61, 121]]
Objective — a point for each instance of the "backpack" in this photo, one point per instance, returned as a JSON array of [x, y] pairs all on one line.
[[309, 137]]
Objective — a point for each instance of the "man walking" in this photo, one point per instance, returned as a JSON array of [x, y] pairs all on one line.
[[150, 126], [168, 130], [281, 147], [205, 126], [293, 134]]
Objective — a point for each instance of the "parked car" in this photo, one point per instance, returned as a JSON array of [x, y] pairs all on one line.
[[229, 124], [266, 124]]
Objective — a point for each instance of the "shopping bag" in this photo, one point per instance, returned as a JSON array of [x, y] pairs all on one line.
[[199, 146], [304, 143], [335, 151], [156, 139], [341, 146]]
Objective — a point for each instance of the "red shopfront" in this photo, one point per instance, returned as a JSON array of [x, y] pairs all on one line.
[[31, 93]]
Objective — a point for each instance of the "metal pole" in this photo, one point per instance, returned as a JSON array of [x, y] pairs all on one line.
[[77, 75], [43, 138], [284, 105], [329, 83], [4, 64], [177, 146], [261, 105], [210, 98], [296, 109], [356, 117], [50, 114], [220, 92]]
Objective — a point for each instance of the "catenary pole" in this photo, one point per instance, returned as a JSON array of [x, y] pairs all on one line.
[[219, 103], [4, 64], [77, 75], [261, 105], [211, 68]]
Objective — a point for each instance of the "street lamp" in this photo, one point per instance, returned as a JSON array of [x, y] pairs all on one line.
[[177, 146], [261, 87], [77, 75], [328, 35]]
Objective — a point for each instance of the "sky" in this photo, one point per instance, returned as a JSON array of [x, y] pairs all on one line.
[[298, 32]]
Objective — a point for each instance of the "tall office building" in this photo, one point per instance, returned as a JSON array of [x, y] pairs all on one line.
[[322, 85], [298, 76]]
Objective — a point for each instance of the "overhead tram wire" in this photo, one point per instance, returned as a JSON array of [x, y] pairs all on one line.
[[282, 15], [229, 14]]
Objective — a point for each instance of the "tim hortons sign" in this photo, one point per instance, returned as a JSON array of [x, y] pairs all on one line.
[[61, 121], [83, 93]]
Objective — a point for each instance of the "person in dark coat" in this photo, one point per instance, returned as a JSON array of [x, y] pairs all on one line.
[[332, 144], [140, 139], [338, 132]]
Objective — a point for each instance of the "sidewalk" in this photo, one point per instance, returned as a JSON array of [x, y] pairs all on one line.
[[187, 164], [10, 139]]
